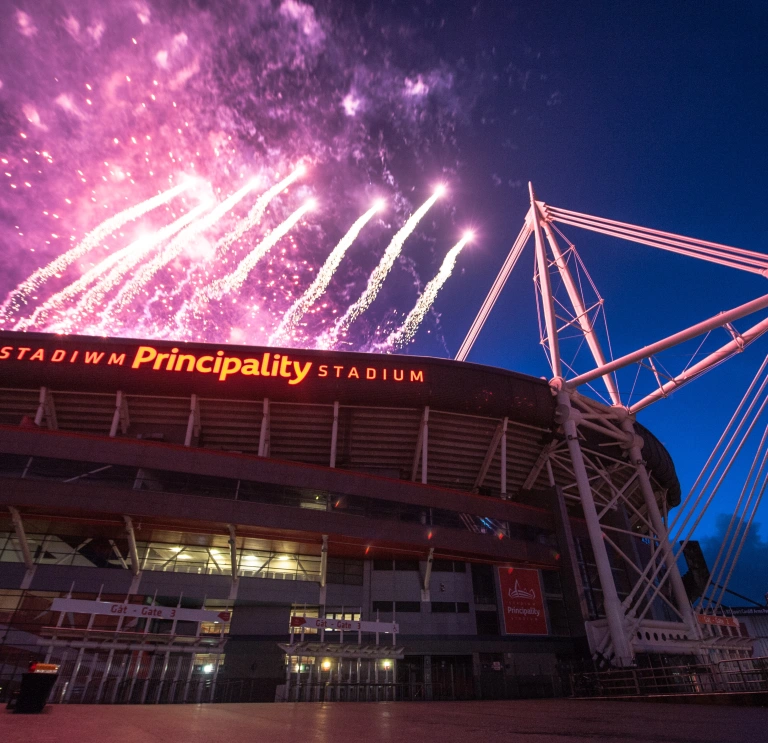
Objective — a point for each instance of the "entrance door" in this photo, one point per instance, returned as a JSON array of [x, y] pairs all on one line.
[[452, 677], [492, 678]]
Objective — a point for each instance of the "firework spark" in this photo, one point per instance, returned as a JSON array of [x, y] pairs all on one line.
[[231, 283], [323, 278], [257, 211], [405, 333], [376, 279], [19, 297], [120, 263], [144, 275]]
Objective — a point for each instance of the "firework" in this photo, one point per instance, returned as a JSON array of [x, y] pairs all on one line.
[[407, 330], [198, 276], [232, 282], [257, 210], [120, 263], [144, 275], [323, 278], [107, 104], [376, 279], [20, 296]]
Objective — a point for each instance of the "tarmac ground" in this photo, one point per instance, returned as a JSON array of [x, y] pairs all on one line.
[[538, 721]]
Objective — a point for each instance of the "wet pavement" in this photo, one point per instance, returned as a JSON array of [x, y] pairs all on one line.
[[448, 722]]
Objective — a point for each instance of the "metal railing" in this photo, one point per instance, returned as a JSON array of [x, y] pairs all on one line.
[[738, 675], [198, 690], [331, 692]]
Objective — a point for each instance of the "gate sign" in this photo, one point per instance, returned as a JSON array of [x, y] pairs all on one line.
[[143, 611], [523, 602], [718, 620], [344, 624]]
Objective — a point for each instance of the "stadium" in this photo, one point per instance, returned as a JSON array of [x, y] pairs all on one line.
[[184, 522]]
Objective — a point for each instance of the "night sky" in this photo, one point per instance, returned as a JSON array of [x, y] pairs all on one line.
[[644, 112]]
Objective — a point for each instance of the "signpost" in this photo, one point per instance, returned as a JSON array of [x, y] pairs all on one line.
[[142, 611], [344, 625]]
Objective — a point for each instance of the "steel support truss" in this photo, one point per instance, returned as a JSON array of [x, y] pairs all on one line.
[[599, 465], [642, 604]]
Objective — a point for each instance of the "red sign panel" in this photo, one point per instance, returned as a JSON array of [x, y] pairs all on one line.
[[523, 602], [718, 620]]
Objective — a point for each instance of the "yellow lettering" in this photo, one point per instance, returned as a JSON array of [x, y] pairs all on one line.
[[115, 359], [231, 365], [217, 364], [322, 370], [190, 361], [417, 376], [143, 355], [22, 351], [401, 377], [58, 355], [301, 372], [159, 360], [37, 355], [93, 357], [199, 365], [265, 365], [250, 368], [370, 373], [5, 352], [353, 373]]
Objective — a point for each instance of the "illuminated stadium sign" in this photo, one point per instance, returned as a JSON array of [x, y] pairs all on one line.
[[67, 363], [221, 364]]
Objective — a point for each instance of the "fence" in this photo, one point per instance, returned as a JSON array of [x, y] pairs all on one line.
[[738, 675]]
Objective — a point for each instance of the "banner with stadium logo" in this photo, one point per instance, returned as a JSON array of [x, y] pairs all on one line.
[[522, 601]]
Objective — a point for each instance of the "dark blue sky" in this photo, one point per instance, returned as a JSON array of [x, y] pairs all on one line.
[[649, 113]]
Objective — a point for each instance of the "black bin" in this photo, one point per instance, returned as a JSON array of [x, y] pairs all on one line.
[[33, 692]]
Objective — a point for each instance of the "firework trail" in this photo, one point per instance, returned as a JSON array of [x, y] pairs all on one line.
[[252, 219], [144, 275], [230, 283], [93, 239], [120, 264], [328, 340], [257, 210], [407, 330], [323, 278]]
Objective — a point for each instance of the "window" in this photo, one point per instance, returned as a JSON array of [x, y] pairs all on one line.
[[553, 593], [345, 572], [443, 607], [487, 622], [450, 607], [382, 606], [406, 565], [551, 581], [484, 583], [382, 564], [408, 606], [449, 566]]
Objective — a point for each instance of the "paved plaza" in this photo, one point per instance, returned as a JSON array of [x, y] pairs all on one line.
[[512, 721]]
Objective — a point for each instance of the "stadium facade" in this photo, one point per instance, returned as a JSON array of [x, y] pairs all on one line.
[[187, 522]]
